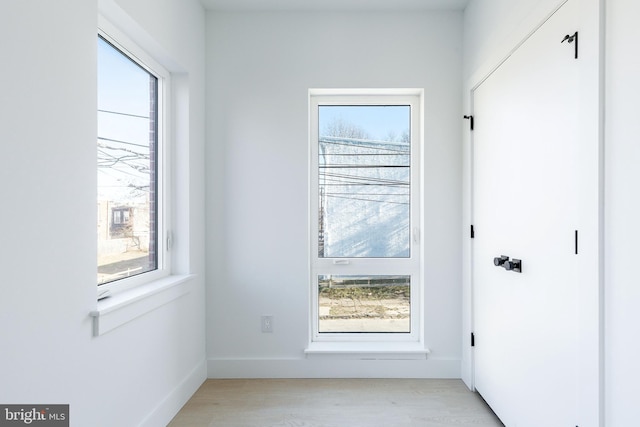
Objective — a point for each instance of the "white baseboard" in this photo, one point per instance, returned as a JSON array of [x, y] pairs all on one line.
[[332, 368], [164, 412]]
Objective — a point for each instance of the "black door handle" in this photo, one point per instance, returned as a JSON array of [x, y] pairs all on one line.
[[514, 265], [499, 261]]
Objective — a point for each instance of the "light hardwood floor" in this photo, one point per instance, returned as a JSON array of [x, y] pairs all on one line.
[[335, 403]]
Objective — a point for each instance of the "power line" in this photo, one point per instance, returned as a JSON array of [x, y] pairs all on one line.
[[370, 194], [123, 114], [360, 166], [369, 147], [369, 200], [335, 177], [365, 154], [123, 142]]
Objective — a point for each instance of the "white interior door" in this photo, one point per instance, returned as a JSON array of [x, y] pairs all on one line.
[[529, 168]]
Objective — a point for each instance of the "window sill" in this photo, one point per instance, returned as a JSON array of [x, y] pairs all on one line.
[[123, 307], [368, 350]]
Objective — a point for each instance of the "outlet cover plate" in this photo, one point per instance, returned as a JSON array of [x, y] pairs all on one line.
[[267, 324]]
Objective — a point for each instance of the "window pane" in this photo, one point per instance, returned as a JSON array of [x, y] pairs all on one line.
[[364, 181], [127, 183], [369, 304]]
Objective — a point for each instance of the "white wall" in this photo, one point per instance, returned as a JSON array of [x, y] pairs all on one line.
[[143, 371], [622, 210], [490, 26], [259, 69]]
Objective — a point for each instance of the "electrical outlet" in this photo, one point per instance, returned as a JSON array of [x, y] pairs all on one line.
[[267, 324]]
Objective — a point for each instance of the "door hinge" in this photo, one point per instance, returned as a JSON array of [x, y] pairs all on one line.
[[470, 118], [473, 233], [473, 340], [571, 39]]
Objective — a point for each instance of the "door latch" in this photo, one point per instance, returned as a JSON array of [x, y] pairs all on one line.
[[570, 39]]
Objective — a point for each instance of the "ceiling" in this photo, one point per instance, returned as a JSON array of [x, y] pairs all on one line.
[[333, 5]]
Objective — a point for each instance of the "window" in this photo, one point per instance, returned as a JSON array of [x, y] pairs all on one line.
[[121, 225], [365, 215], [130, 148]]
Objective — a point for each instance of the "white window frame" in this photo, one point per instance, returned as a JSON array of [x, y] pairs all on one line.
[[369, 266], [163, 238]]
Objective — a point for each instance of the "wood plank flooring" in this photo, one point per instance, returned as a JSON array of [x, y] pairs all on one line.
[[335, 403]]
